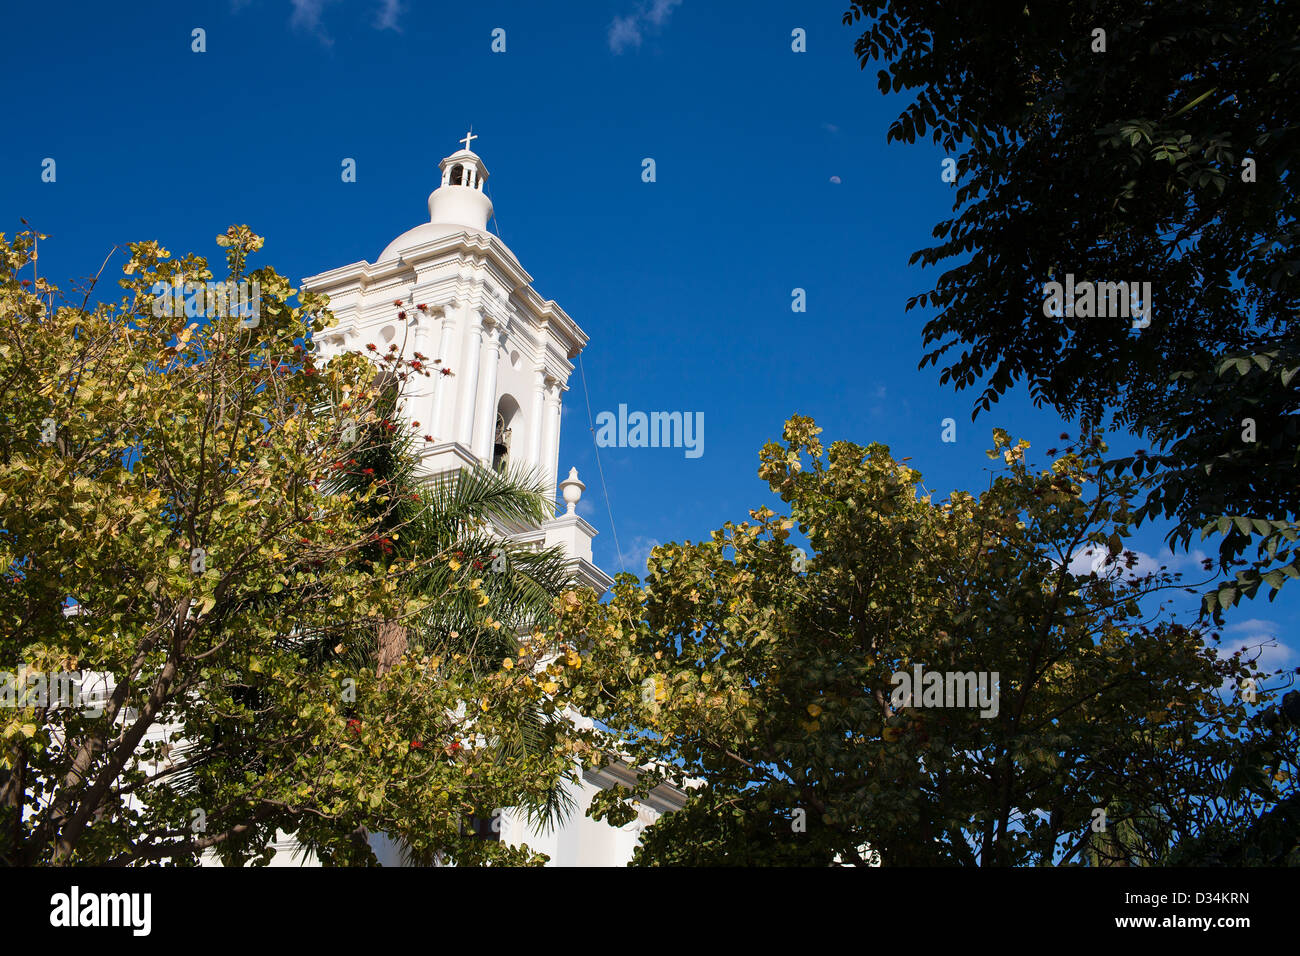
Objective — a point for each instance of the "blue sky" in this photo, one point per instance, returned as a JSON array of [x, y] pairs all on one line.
[[772, 173]]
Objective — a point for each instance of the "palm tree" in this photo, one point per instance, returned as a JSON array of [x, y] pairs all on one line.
[[454, 525]]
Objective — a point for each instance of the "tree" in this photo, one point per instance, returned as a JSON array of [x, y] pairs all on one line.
[[770, 683], [463, 516], [1143, 142], [171, 520]]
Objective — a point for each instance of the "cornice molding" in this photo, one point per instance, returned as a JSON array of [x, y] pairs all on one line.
[[479, 248]]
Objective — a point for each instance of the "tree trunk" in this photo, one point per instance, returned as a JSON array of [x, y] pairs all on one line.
[[392, 645]]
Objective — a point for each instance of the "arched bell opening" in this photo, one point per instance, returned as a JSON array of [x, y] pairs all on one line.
[[503, 432]]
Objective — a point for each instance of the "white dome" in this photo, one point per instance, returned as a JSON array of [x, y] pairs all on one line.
[[459, 204], [422, 233]]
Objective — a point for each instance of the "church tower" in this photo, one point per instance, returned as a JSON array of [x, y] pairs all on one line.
[[510, 351]]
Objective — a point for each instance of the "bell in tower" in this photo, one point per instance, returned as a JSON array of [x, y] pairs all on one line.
[[501, 445]]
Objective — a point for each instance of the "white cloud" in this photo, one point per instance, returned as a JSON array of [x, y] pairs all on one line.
[[635, 555], [1254, 625], [1259, 637], [1275, 655], [306, 16], [660, 11], [306, 13], [623, 33], [1092, 557], [629, 30], [389, 11]]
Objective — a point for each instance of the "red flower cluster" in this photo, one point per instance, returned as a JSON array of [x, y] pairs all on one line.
[[354, 725]]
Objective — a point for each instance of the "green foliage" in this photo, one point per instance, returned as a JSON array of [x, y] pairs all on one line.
[[245, 697], [482, 593], [763, 686], [1126, 164]]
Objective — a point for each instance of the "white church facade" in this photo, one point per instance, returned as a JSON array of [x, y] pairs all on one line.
[[510, 352], [511, 355]]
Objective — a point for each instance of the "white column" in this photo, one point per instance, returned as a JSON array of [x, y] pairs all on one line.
[[535, 421], [469, 383], [485, 420], [442, 384], [421, 405], [551, 453]]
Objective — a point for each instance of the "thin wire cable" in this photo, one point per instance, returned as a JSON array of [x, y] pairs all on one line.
[[591, 423], [493, 221]]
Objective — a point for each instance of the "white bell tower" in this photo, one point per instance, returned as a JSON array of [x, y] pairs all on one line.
[[456, 294], [500, 354]]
